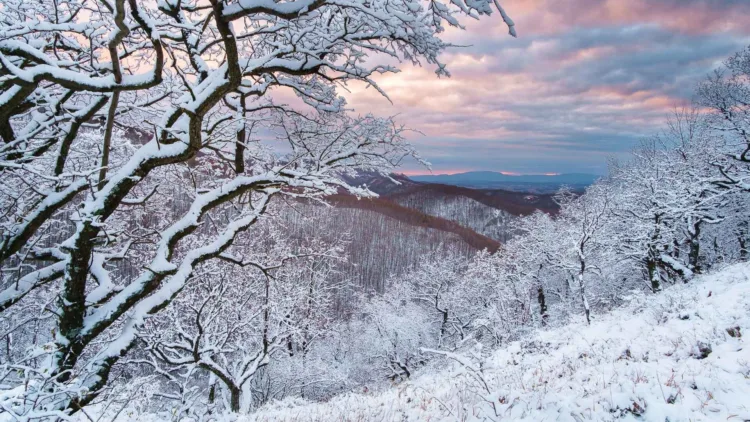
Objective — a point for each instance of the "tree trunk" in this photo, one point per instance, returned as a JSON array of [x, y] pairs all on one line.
[[212, 392], [653, 274], [586, 308], [652, 261], [235, 399], [542, 305], [239, 151], [695, 249], [742, 238], [444, 322]]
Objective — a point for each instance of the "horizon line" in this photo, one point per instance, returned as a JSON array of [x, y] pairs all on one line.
[[503, 172]]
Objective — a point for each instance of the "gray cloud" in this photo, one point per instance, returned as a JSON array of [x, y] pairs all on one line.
[[564, 97]]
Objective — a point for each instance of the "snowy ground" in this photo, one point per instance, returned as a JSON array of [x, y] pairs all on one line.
[[676, 356]]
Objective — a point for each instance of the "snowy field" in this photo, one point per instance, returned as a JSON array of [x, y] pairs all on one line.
[[679, 356]]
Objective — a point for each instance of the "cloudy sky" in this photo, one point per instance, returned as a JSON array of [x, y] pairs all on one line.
[[584, 80]]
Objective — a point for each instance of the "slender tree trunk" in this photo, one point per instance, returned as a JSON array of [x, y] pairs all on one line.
[[652, 261], [239, 152], [582, 289], [540, 297], [443, 325], [695, 249], [742, 238], [653, 274], [542, 304], [212, 389], [717, 250]]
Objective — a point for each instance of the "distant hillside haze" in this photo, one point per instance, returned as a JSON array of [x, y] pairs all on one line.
[[532, 182]]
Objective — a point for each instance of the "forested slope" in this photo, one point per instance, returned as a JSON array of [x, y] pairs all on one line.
[[677, 357], [386, 239]]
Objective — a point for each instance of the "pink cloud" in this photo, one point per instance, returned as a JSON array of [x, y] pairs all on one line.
[[584, 79], [695, 17]]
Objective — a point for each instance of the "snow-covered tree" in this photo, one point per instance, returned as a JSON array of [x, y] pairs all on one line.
[[584, 219], [231, 323], [85, 229], [726, 93]]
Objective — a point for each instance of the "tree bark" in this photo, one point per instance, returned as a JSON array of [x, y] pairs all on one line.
[[235, 399], [108, 138], [653, 274], [239, 145], [695, 249]]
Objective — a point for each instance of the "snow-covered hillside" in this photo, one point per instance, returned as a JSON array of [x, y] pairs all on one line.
[[489, 221], [681, 355], [385, 245]]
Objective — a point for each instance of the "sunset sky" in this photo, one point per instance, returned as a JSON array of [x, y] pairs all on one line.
[[584, 80]]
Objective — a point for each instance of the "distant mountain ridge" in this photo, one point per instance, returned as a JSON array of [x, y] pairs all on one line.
[[492, 179], [488, 212], [416, 217]]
